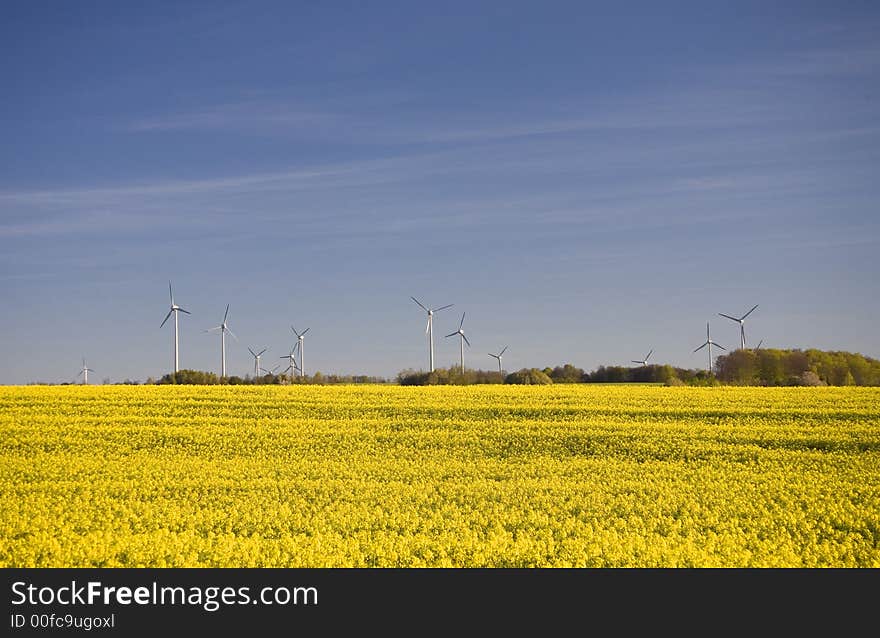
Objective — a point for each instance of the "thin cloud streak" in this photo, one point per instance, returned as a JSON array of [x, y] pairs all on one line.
[[228, 116]]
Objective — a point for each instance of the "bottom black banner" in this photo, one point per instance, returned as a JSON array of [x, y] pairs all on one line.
[[285, 601]]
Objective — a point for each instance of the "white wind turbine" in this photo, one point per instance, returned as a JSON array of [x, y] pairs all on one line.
[[174, 309], [742, 327], [429, 330], [301, 340], [644, 361], [461, 340], [223, 328], [292, 359], [257, 356], [709, 343], [498, 356], [85, 372]]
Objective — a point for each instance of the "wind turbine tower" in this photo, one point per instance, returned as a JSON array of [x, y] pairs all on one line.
[[461, 340], [301, 339], [174, 310], [223, 328], [429, 330], [644, 361], [85, 372], [292, 367], [742, 327], [257, 356], [709, 343], [498, 356]]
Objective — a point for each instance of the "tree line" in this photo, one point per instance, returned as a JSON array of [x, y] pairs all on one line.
[[200, 377], [767, 367]]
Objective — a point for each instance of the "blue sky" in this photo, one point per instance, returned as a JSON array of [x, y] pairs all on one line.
[[588, 181]]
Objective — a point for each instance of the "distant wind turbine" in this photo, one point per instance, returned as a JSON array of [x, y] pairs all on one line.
[[257, 356], [174, 309], [644, 361], [709, 343], [498, 356], [223, 328], [429, 330], [85, 372], [461, 340], [292, 367], [742, 327], [301, 337]]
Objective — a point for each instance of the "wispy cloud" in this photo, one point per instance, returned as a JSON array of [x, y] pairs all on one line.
[[841, 61], [233, 116]]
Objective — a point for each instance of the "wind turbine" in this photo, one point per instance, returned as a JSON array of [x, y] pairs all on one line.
[[301, 339], [85, 372], [498, 356], [741, 322], [257, 355], [174, 309], [644, 361], [461, 340], [429, 330], [292, 367], [758, 347], [223, 328], [709, 343]]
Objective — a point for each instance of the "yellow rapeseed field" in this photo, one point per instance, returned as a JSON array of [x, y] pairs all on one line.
[[499, 476]]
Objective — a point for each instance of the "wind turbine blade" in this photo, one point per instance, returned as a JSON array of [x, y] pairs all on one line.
[[728, 316], [80, 373], [251, 351], [428, 325], [750, 311], [701, 347], [232, 333], [451, 334], [466, 340], [502, 351], [170, 293], [166, 318], [759, 344], [305, 331], [444, 307], [461, 323], [261, 351], [294, 330], [718, 345], [420, 303], [213, 329], [634, 361], [493, 355], [649, 355], [226, 314], [186, 311]]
